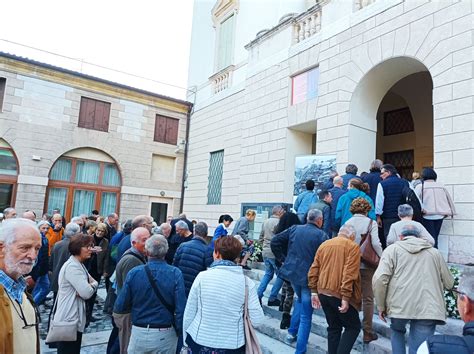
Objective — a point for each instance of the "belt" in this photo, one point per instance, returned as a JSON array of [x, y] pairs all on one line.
[[163, 327]]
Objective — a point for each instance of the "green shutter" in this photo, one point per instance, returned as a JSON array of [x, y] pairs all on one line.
[[214, 187]]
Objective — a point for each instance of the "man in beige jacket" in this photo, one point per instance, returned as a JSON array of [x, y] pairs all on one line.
[[408, 288]]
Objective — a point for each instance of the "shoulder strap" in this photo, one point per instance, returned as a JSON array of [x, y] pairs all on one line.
[[364, 236], [134, 255], [157, 292]]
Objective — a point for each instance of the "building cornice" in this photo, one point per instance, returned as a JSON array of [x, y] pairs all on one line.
[[27, 67]]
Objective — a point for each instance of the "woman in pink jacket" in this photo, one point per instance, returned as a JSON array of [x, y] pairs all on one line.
[[435, 201]]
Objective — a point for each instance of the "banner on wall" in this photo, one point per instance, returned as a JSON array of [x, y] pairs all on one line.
[[315, 167]]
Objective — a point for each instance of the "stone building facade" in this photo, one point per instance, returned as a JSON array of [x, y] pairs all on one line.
[[76, 142], [391, 79]]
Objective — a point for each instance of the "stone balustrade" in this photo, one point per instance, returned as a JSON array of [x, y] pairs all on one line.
[[307, 25], [360, 4], [222, 79]]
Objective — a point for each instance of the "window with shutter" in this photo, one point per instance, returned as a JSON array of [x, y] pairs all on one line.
[[214, 187], [94, 114], [166, 130], [226, 43], [3, 85]]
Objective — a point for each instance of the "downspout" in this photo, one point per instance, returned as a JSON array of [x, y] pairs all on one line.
[[186, 147]]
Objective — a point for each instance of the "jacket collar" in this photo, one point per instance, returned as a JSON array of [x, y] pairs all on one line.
[[199, 238], [468, 329]]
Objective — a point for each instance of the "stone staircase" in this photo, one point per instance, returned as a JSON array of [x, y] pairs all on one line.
[[317, 343]]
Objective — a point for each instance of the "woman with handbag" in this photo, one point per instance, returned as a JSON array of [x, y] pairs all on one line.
[[366, 230], [76, 285], [222, 306]]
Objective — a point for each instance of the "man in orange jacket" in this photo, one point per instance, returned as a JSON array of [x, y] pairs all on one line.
[[55, 232]]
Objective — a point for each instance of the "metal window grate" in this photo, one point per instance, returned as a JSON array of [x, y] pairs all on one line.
[[214, 187], [397, 122], [404, 162]]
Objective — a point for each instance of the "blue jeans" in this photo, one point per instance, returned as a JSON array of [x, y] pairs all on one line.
[[41, 289], [420, 330], [270, 270], [301, 318]]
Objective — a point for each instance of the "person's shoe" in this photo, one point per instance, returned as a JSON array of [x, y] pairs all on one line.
[[369, 337], [274, 302], [285, 321], [95, 319], [246, 267], [290, 339]]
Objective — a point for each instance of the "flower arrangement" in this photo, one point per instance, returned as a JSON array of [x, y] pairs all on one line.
[[450, 297], [257, 252]]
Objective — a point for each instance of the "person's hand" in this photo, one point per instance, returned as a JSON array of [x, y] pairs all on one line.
[[344, 306], [30, 283], [315, 301], [379, 221], [382, 315], [96, 249]]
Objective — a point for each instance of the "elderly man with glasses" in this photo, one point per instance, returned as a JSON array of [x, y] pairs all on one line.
[[20, 242], [464, 344]]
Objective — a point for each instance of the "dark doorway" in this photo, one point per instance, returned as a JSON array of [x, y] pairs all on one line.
[[404, 162], [159, 211]]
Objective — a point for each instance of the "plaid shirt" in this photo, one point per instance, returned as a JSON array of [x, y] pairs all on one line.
[[14, 288]]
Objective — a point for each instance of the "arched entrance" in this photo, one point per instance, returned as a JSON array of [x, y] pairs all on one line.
[[83, 180], [8, 175], [391, 116]]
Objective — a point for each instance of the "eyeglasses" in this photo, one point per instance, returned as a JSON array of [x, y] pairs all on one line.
[[21, 314]]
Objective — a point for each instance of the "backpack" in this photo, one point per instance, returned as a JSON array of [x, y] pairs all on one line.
[[409, 197]]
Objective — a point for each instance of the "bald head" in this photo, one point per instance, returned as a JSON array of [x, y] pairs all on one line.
[[30, 215], [337, 181], [138, 238], [165, 229]]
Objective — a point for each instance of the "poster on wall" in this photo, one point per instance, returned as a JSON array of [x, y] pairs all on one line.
[[315, 167]]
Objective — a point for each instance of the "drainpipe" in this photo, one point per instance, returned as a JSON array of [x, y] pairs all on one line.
[[186, 147]]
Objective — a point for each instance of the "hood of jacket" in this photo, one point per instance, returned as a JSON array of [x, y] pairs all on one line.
[[355, 193], [413, 244]]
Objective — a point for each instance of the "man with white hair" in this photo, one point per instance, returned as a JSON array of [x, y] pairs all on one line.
[[405, 213], [111, 221], [334, 279], [165, 229], [401, 295], [336, 192], [300, 243], [154, 296], [20, 242], [30, 215], [183, 234], [9, 213], [440, 344], [133, 257]]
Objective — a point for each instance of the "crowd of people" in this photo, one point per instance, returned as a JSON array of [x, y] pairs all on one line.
[[172, 288]]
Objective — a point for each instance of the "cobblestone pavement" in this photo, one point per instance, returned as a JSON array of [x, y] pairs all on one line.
[[103, 324]]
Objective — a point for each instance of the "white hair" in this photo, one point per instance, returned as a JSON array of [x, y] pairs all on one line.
[[156, 246], [71, 229], [8, 232], [77, 219], [182, 225]]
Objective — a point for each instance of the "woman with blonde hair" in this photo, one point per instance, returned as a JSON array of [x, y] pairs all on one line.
[[241, 232], [363, 225]]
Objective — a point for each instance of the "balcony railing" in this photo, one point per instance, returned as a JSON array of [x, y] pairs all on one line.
[[222, 79], [307, 25], [360, 4]]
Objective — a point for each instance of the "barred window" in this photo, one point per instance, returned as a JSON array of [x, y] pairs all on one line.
[[398, 121], [214, 187]]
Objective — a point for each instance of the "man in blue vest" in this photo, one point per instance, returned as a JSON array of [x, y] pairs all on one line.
[[389, 196], [439, 344]]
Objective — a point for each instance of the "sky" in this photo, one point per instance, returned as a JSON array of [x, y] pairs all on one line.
[[147, 38]]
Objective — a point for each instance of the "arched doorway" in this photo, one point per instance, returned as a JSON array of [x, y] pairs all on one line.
[[8, 175], [83, 180], [405, 125], [398, 92]]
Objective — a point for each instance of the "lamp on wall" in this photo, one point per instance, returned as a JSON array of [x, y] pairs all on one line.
[[180, 147], [162, 193]]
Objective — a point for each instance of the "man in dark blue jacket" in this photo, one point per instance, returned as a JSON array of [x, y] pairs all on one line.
[[336, 192], [194, 256], [351, 172], [296, 248], [373, 178], [389, 196], [440, 344]]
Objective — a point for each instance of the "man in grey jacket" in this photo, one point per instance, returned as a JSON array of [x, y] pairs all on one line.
[[401, 295]]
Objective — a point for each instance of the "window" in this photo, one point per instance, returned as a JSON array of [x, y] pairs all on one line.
[[398, 121], [94, 114], [3, 85], [8, 177], [225, 44], [166, 130], [214, 187], [404, 162], [78, 186], [305, 86]]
